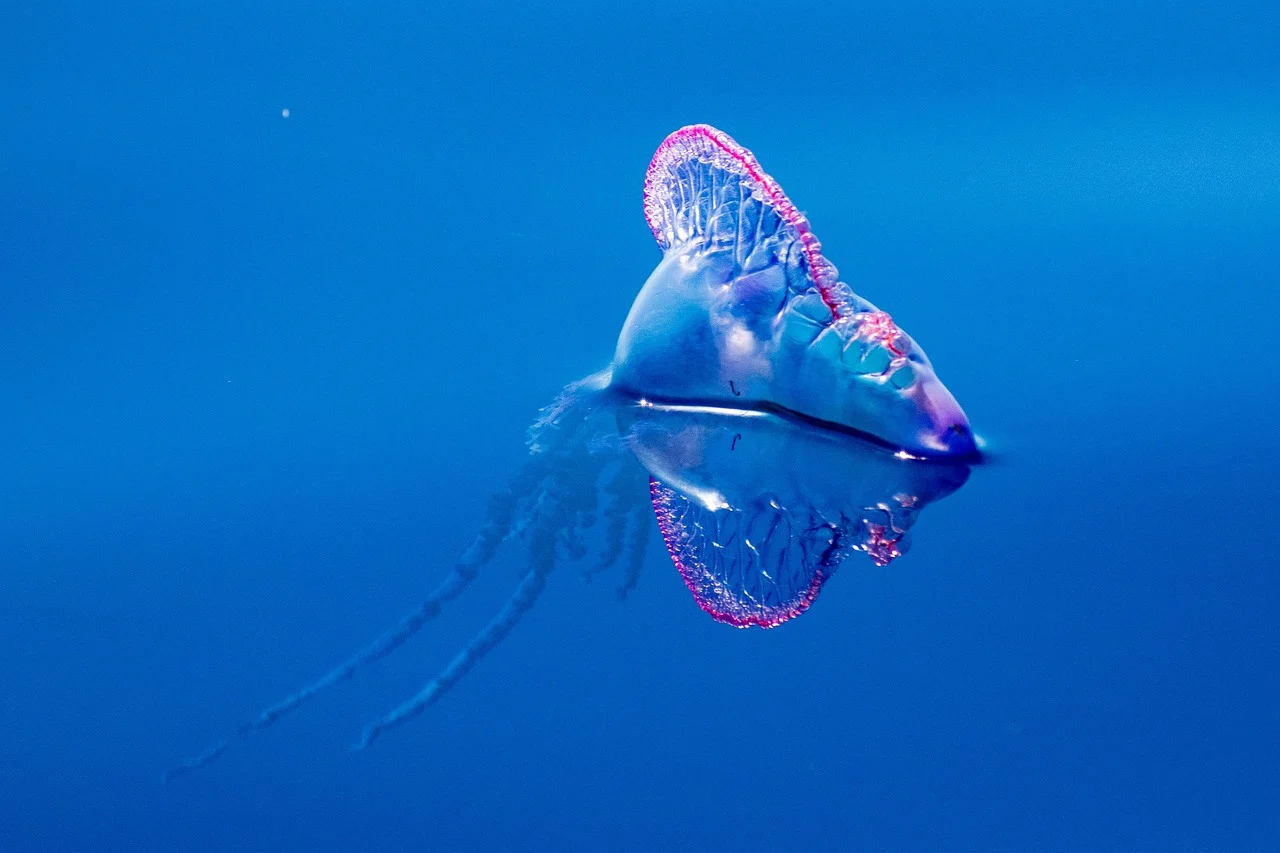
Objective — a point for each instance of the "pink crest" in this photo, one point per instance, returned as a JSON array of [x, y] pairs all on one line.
[[703, 143]]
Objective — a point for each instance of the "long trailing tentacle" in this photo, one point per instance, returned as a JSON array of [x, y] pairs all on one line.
[[620, 492], [641, 530], [549, 503], [498, 526], [531, 586], [568, 500], [567, 503], [378, 649]]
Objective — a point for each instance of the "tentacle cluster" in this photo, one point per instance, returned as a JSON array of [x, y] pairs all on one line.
[[551, 504], [628, 526]]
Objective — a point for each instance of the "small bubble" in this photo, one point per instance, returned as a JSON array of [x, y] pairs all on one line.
[[284, 113]]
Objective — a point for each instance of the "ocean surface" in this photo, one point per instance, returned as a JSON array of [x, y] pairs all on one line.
[[261, 371]]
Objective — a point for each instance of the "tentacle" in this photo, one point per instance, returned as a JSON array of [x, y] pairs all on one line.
[[503, 508], [570, 494], [568, 501], [378, 649], [535, 580], [641, 531], [618, 510], [551, 501]]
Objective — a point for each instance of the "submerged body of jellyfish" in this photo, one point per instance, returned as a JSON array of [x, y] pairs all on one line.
[[770, 420]]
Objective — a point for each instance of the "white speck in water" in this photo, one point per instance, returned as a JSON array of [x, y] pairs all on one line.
[[284, 113]]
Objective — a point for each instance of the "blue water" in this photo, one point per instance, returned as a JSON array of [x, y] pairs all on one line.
[[260, 375]]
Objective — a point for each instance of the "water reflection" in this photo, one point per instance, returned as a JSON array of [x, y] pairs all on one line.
[[758, 510]]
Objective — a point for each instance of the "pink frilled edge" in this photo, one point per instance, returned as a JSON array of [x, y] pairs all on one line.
[[716, 601], [702, 142]]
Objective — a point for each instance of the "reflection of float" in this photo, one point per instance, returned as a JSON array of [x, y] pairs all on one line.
[[772, 420], [757, 510]]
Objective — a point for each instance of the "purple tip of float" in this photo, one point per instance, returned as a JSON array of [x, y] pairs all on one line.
[[709, 590], [704, 143]]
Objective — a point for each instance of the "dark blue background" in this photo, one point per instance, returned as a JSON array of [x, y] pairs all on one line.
[[259, 375]]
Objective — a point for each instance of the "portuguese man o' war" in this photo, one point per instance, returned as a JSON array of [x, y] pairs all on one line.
[[770, 420]]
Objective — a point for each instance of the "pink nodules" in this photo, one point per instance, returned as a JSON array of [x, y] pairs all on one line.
[[709, 593], [705, 143], [882, 549], [878, 327]]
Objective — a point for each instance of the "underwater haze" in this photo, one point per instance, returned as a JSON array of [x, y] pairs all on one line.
[[282, 288]]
